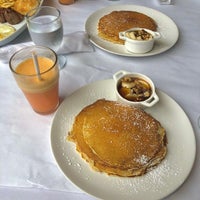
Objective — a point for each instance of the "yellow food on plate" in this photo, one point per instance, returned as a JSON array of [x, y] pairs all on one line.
[[24, 6], [7, 3], [5, 31], [118, 139], [20, 6]]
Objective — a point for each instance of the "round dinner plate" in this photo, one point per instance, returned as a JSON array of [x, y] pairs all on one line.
[[166, 27], [19, 28], [156, 184]]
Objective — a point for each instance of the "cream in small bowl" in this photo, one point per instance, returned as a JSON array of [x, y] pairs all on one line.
[[139, 40], [135, 89]]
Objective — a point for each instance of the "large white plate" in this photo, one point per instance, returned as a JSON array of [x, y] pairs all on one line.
[[158, 183], [166, 27], [19, 29]]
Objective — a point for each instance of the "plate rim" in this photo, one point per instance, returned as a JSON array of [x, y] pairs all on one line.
[[19, 28], [93, 193], [125, 52]]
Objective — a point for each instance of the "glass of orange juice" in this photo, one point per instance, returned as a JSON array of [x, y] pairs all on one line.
[[36, 72]]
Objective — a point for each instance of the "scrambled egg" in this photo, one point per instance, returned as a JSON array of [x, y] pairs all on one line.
[[5, 31]]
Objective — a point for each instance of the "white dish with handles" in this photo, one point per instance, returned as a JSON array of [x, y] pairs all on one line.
[[139, 45], [149, 102]]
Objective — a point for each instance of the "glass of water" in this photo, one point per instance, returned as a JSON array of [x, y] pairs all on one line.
[[46, 29]]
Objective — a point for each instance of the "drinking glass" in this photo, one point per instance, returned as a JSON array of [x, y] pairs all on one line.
[[39, 85], [46, 29]]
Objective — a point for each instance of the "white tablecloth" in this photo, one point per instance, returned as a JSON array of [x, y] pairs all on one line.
[[176, 72]]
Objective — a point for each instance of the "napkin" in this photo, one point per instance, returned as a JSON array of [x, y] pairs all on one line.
[[76, 42]]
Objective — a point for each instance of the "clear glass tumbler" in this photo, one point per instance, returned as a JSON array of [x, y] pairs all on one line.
[[46, 29], [40, 84]]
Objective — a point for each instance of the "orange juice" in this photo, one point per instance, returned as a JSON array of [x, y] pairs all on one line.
[[42, 93]]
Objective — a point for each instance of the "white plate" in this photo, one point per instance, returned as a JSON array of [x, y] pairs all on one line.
[[19, 29], [164, 23], [158, 183]]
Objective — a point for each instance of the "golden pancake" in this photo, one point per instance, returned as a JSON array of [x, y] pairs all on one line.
[[118, 139], [111, 24]]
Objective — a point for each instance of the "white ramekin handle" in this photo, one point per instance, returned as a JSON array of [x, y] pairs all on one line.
[[152, 101], [119, 74]]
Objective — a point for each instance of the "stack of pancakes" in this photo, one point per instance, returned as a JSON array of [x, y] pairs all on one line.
[[111, 24], [118, 139]]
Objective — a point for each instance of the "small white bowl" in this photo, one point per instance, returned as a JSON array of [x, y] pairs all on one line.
[[149, 101], [139, 46]]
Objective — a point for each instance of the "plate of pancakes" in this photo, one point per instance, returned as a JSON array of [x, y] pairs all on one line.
[[12, 18], [93, 147], [103, 27]]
